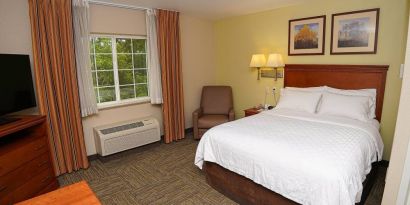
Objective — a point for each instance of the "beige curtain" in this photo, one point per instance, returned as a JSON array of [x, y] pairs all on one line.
[[171, 74], [155, 89], [88, 101], [56, 81]]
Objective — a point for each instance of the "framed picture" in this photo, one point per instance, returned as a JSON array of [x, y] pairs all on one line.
[[271, 74], [307, 36], [355, 32]]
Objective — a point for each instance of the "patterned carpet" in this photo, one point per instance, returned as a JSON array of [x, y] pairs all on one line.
[[160, 174]]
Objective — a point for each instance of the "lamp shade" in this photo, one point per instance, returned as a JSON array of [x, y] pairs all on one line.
[[275, 61], [257, 61]]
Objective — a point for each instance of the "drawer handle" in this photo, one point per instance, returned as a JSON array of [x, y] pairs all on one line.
[[39, 147], [42, 163], [3, 188], [45, 179]]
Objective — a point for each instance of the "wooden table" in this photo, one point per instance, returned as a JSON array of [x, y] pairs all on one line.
[[75, 194]]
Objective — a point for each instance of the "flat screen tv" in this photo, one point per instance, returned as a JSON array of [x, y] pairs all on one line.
[[16, 84]]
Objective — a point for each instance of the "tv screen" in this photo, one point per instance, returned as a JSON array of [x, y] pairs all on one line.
[[16, 84]]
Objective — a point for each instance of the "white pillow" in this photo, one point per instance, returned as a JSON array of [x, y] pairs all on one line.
[[299, 100], [371, 93], [355, 107]]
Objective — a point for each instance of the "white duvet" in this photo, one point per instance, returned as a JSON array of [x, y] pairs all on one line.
[[308, 158]]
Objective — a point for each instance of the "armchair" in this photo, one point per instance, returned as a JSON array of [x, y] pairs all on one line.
[[216, 108]]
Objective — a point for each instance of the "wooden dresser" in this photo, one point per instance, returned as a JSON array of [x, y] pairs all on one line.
[[26, 169]]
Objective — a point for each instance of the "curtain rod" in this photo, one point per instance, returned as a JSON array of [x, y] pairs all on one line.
[[124, 6]]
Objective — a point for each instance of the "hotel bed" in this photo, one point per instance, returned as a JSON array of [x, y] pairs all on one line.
[[286, 156]]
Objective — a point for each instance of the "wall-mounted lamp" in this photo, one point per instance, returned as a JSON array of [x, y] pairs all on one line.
[[275, 61], [258, 61]]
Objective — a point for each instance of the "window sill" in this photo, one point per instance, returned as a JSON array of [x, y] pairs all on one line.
[[109, 105]]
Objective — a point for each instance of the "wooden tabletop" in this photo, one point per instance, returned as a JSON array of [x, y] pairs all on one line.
[[75, 194]]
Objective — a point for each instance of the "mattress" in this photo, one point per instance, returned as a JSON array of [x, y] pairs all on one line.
[[308, 158]]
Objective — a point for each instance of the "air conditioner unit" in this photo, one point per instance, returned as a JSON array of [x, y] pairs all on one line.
[[117, 137]]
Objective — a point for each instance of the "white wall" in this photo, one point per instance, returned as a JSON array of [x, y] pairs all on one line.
[[198, 65], [401, 139]]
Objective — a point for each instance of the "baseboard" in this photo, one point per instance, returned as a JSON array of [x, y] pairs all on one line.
[[189, 130], [92, 157], [384, 163]]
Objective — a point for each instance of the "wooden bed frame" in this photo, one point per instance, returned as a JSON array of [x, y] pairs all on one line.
[[244, 190]]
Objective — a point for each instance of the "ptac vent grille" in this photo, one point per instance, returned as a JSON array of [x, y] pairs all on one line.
[[122, 127]]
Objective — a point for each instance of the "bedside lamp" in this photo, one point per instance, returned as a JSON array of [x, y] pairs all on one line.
[[258, 61], [275, 61]]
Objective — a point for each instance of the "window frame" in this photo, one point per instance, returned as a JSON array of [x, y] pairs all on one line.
[[118, 101]]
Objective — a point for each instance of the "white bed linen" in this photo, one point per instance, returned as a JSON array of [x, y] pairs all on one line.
[[308, 158]]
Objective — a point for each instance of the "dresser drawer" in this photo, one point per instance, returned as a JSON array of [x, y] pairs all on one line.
[[21, 175], [32, 187], [6, 200], [21, 152]]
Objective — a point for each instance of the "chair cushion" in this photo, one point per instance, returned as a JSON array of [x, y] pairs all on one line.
[[208, 121], [216, 100]]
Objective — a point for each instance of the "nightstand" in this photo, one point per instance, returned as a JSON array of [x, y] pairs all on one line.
[[251, 111]]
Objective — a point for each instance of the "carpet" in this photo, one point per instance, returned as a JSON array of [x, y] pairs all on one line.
[[161, 174]]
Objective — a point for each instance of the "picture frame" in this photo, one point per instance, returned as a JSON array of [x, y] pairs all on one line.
[[306, 36], [271, 74], [355, 32]]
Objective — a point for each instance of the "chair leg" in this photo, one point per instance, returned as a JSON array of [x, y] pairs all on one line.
[[196, 133]]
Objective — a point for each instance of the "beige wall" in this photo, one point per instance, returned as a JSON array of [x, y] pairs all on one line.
[[197, 64], [238, 38], [110, 20], [198, 61], [401, 138], [15, 32]]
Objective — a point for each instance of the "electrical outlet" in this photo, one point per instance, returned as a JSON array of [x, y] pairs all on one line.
[[274, 90], [401, 70]]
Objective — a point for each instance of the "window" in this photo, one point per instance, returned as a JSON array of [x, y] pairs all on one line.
[[119, 69]]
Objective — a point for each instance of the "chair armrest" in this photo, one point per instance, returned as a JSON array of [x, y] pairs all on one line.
[[231, 114]]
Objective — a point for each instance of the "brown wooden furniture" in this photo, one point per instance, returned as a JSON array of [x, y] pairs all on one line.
[[251, 111], [75, 194], [245, 191], [339, 76], [216, 108], [26, 169]]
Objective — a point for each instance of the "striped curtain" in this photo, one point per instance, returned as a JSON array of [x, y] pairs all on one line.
[[169, 48], [56, 81]]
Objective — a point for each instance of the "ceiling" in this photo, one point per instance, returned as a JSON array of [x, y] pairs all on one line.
[[211, 9]]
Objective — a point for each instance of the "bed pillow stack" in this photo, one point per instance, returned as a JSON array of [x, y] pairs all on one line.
[[324, 100]]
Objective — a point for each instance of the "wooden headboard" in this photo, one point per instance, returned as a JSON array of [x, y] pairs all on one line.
[[339, 76]]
